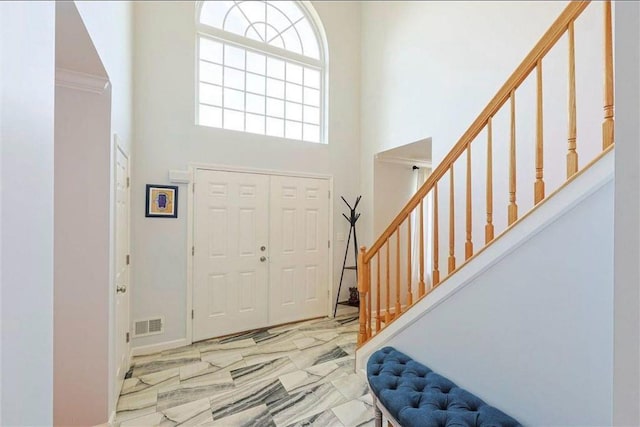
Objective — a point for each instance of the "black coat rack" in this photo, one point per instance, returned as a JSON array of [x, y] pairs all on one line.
[[352, 218]]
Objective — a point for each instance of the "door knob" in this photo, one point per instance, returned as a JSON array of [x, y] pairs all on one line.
[[121, 289], [263, 248], [263, 258]]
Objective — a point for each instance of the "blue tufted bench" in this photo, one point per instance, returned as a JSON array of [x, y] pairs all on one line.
[[411, 395]]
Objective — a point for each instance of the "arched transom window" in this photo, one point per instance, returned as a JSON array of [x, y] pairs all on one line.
[[261, 69]]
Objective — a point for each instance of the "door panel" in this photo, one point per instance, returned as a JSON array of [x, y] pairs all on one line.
[[230, 291], [122, 269], [299, 253]]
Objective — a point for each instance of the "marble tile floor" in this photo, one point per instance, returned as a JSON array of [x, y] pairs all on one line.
[[294, 375]]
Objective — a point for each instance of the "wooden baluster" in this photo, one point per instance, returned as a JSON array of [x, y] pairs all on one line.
[[398, 305], [538, 187], [421, 289], [369, 307], [452, 258], [387, 315], [572, 155], [378, 292], [468, 246], [436, 271], [608, 124], [362, 289], [409, 254], [488, 229], [513, 207]]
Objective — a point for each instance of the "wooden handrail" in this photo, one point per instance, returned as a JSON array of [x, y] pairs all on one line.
[[507, 93], [547, 41]]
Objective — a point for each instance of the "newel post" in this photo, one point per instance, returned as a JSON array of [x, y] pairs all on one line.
[[363, 288]]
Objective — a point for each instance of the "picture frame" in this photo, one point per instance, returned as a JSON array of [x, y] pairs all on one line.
[[161, 201]]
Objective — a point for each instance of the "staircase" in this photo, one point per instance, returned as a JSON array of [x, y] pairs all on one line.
[[393, 297]]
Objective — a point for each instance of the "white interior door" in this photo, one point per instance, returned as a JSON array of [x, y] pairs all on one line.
[[299, 252], [230, 291], [122, 268]]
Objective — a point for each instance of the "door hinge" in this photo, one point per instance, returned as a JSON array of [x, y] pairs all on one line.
[[128, 182], [329, 244], [329, 193], [128, 259], [193, 250], [193, 188], [192, 314], [128, 338]]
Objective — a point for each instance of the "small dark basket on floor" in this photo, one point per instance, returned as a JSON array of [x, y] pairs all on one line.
[[354, 297]]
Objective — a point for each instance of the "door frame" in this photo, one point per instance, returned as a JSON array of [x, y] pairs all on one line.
[[119, 147], [193, 167]]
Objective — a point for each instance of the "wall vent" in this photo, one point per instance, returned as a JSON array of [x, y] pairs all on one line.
[[151, 326]]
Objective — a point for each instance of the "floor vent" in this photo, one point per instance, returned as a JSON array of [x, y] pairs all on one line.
[[152, 326]]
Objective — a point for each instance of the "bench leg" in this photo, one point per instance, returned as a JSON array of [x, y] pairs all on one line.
[[378, 413]]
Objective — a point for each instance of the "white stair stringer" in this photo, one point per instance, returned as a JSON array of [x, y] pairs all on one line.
[[576, 222]]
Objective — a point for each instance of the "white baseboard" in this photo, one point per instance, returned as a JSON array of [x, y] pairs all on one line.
[[155, 348]]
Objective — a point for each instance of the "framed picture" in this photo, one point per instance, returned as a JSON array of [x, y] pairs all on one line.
[[162, 201]]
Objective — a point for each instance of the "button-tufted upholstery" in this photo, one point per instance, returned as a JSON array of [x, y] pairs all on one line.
[[418, 397]]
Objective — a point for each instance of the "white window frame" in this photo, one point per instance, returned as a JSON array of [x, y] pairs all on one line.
[[216, 34]]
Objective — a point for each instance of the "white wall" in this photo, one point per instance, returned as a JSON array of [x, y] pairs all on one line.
[[429, 68], [536, 336], [626, 380], [166, 138], [110, 26], [81, 296], [394, 184], [26, 137]]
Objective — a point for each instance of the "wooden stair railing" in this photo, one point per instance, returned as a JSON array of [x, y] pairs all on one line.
[[371, 324]]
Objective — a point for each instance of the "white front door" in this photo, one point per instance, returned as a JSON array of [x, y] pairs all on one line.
[[231, 221], [122, 291], [299, 252]]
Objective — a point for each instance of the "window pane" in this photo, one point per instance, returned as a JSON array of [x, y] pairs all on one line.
[[235, 22], [312, 78], [293, 130], [210, 73], [309, 40], [312, 97], [255, 11], [275, 88], [233, 99], [311, 133], [210, 94], [233, 78], [275, 68], [210, 50], [233, 120], [294, 73], [255, 103], [210, 116], [276, 19], [294, 111], [213, 12], [275, 127], [234, 56], [312, 115], [275, 107], [255, 63], [294, 92], [290, 9], [291, 41], [255, 123], [276, 40], [255, 83]]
